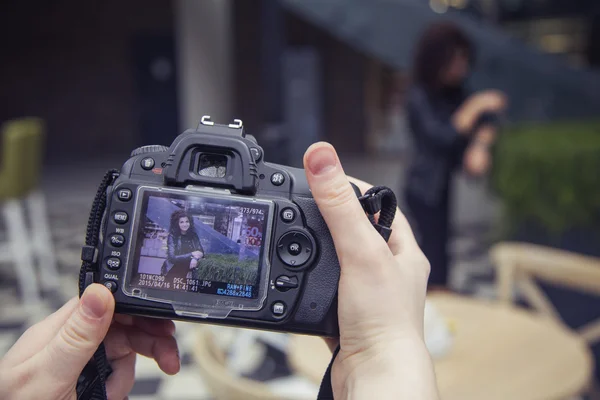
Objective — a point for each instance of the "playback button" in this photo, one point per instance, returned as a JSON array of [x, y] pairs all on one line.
[[124, 194]]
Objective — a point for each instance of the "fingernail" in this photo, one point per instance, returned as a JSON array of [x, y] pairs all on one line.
[[171, 328], [321, 161], [92, 304]]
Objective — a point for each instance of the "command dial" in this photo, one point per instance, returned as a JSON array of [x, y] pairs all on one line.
[[153, 148]]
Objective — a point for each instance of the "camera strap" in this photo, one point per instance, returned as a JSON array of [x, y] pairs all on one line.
[[378, 199], [91, 384]]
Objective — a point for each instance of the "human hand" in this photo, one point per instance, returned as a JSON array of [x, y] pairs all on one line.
[[486, 135], [467, 115], [49, 357], [381, 296], [197, 254], [489, 101], [193, 263], [477, 160]]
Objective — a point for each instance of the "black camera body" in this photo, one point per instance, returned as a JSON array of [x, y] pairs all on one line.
[[206, 231]]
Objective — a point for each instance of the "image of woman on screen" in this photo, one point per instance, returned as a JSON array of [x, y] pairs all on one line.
[[183, 247]]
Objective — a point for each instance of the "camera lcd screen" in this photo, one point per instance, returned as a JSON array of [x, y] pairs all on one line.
[[200, 244]]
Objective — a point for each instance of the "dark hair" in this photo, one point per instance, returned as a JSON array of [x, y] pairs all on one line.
[[435, 50], [175, 217]]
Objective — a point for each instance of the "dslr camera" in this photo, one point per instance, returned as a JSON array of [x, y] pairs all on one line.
[[207, 231]]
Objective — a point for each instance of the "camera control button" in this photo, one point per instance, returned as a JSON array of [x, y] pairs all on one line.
[[113, 263], [288, 215], [111, 285], [277, 179], [148, 163], [294, 249], [117, 240], [120, 217], [278, 308], [152, 148], [285, 283], [256, 154], [124, 194]]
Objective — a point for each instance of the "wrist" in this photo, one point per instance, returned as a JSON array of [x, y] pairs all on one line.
[[13, 383], [461, 124], [481, 144], [402, 369]]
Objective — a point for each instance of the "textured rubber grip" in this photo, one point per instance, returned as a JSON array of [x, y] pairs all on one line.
[[321, 285]]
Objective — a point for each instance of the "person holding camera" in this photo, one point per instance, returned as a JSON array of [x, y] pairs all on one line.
[[381, 309], [451, 130]]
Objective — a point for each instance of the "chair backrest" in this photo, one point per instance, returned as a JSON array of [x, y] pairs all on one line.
[[518, 265], [22, 153]]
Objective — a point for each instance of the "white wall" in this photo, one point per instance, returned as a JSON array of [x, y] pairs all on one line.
[[204, 47]]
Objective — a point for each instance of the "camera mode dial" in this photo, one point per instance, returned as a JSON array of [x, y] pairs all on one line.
[[154, 148]]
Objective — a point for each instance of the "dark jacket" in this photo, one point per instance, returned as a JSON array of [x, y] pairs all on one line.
[[174, 251], [438, 147]]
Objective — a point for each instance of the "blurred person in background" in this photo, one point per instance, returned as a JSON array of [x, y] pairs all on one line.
[[452, 129]]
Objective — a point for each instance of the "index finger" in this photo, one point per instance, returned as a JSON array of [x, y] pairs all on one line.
[[121, 341], [153, 326]]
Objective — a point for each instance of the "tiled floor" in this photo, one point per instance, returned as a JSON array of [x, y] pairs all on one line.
[[69, 193]]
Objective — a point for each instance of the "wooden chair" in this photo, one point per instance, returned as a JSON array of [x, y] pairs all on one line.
[[222, 383], [518, 264]]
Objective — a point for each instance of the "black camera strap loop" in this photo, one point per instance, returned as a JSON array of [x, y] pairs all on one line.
[[378, 199], [91, 384], [382, 200]]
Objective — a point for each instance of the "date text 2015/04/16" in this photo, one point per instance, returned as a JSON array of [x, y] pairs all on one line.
[[154, 284]]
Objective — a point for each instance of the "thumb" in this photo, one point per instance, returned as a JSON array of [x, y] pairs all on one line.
[[337, 201], [77, 340]]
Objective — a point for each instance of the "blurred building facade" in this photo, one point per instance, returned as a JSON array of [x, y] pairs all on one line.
[[109, 77], [101, 75]]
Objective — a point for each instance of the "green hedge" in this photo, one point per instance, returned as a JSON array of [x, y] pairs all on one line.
[[549, 175]]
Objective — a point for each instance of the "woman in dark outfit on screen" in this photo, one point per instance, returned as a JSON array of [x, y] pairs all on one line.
[[451, 129], [183, 247]]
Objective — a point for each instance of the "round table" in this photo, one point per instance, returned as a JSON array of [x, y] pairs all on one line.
[[499, 352]]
